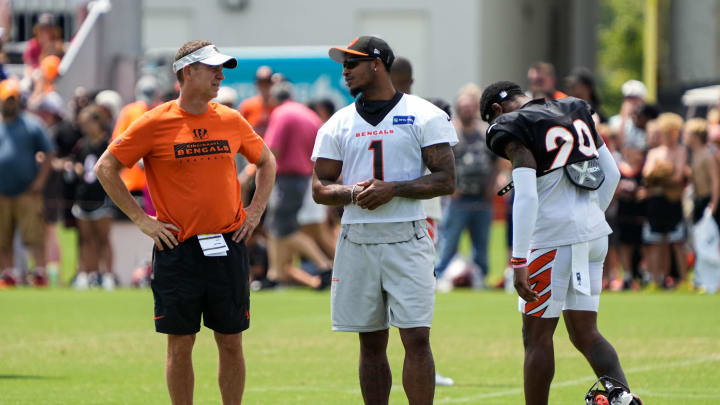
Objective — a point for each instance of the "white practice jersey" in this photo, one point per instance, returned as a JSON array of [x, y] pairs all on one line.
[[567, 214], [390, 151], [433, 209]]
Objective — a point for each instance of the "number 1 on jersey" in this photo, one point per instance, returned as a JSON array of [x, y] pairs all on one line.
[[376, 147]]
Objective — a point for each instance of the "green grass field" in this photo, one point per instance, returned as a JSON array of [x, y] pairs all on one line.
[[64, 347]]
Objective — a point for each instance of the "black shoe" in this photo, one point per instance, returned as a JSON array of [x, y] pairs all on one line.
[[263, 284]]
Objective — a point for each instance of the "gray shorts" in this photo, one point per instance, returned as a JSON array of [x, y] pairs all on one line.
[[382, 275], [285, 203]]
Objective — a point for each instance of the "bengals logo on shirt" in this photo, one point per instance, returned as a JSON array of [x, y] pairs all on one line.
[[193, 149], [200, 133]]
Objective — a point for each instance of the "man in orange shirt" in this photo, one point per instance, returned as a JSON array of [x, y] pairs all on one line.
[[146, 95], [541, 76], [257, 109], [200, 262]]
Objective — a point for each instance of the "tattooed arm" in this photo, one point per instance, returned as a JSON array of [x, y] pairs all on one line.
[[325, 189], [439, 160], [519, 155]]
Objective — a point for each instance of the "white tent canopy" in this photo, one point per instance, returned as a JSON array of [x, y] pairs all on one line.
[[702, 96]]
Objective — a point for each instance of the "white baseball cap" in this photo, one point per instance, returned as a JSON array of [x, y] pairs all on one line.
[[226, 95], [634, 88], [208, 55]]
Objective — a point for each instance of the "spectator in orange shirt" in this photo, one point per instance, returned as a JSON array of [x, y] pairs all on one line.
[[46, 40], [43, 79], [257, 109], [200, 262], [541, 76], [146, 97]]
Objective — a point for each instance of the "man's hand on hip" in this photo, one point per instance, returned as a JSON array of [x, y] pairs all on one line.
[[374, 193], [159, 232], [252, 219]]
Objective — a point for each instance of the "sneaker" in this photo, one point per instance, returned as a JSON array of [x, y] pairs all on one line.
[[9, 279], [443, 381], [651, 287], [108, 282], [93, 279], [263, 284], [39, 279], [477, 281], [81, 281], [685, 286], [444, 285]]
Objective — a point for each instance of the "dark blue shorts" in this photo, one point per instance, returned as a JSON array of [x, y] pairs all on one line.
[[188, 286]]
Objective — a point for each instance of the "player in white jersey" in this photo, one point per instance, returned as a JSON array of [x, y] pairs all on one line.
[[383, 269], [564, 179]]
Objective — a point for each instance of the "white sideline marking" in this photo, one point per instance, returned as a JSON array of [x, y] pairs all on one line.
[[587, 379]]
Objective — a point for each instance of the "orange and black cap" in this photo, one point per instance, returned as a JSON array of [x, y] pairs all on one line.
[[365, 47]]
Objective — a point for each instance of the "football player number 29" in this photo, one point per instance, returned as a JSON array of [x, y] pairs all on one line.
[[376, 147], [564, 139]]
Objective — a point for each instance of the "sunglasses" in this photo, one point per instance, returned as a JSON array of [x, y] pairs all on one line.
[[351, 63]]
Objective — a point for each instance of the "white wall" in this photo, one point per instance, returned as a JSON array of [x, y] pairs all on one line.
[[516, 33], [695, 40], [449, 42], [106, 58], [439, 37]]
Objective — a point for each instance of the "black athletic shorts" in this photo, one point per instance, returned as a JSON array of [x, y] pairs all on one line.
[[187, 285]]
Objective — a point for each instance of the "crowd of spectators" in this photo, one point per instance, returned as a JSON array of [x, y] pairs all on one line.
[[48, 147]]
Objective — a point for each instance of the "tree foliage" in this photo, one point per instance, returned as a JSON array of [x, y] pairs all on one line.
[[620, 48]]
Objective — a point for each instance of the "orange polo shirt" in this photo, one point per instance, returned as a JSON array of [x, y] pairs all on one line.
[[190, 165]]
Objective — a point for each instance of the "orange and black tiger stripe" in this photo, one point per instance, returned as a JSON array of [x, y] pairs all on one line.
[[539, 279]]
